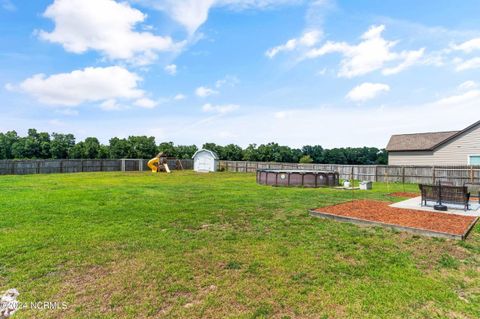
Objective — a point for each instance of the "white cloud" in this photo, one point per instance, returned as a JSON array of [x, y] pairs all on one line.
[[106, 26], [367, 91], [171, 69], [473, 63], [467, 46], [145, 103], [283, 114], [220, 109], [10, 87], [111, 105], [228, 80], [460, 99], [67, 112], [371, 126], [468, 85], [179, 97], [203, 91], [409, 58], [308, 39], [227, 135], [56, 122], [193, 13], [82, 86], [8, 5], [371, 54]]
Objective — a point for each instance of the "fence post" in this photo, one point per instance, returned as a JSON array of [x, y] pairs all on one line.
[[471, 174], [433, 174], [376, 173], [403, 174], [82, 165]]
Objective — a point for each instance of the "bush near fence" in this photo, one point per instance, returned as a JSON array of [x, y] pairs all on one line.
[[375, 173], [22, 167]]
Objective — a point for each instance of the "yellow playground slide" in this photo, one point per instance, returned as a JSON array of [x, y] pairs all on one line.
[[151, 164], [155, 165]]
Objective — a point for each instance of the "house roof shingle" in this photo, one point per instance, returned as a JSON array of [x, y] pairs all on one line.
[[418, 142], [424, 141]]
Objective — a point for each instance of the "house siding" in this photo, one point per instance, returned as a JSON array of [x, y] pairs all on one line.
[[410, 158], [455, 152]]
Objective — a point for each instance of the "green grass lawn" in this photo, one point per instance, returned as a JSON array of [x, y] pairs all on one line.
[[186, 245]]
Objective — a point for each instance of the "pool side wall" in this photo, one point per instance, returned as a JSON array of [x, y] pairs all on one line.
[[309, 179]]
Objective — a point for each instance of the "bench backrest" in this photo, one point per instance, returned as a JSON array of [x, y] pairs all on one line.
[[449, 193], [454, 193], [429, 191]]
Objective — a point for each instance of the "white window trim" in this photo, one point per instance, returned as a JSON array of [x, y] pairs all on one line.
[[470, 155]]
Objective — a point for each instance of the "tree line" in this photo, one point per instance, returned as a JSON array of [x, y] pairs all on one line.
[[42, 145]]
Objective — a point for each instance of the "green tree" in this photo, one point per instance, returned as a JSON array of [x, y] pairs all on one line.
[[61, 144], [167, 148], [19, 149], [335, 156], [6, 142], [103, 152], [185, 151], [316, 152], [306, 159], [215, 148], [120, 148], [91, 148], [77, 151], [34, 145], [251, 153], [143, 147], [232, 152], [382, 157]]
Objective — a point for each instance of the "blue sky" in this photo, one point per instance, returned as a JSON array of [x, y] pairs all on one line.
[[335, 73]]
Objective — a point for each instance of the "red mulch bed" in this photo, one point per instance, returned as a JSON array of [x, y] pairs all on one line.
[[378, 211], [404, 194]]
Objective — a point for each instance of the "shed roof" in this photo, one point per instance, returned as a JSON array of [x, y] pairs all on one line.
[[423, 141], [215, 156]]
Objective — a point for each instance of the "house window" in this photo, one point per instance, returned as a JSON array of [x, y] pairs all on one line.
[[474, 160]]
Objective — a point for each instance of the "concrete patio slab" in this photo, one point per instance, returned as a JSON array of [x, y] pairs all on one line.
[[415, 203]]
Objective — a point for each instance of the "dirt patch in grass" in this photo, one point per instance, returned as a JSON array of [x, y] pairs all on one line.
[[378, 211], [404, 194]]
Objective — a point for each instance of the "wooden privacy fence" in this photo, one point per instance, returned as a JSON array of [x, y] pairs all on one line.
[[21, 167], [375, 173]]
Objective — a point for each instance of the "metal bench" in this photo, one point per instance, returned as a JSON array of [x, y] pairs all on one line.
[[442, 194]]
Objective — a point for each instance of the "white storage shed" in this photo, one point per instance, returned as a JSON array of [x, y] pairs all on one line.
[[205, 161]]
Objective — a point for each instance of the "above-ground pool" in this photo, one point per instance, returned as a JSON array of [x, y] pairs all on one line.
[[299, 178]]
